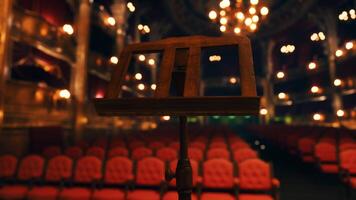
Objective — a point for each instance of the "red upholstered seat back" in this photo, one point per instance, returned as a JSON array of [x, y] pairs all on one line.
[[325, 151], [195, 153], [218, 153], [199, 145], [59, 168], [141, 152], [348, 160], [195, 169], [52, 151], [150, 171], [97, 152], [218, 173], [306, 144], [167, 154], [8, 164], [74, 152], [241, 155], [156, 145], [255, 174], [30, 167], [118, 151], [175, 145], [118, 170], [347, 144], [218, 144], [239, 144], [88, 169]]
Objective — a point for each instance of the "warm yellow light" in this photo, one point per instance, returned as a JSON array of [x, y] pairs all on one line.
[[339, 53], [222, 28], [67, 28], [140, 27], [314, 89], [141, 58], [237, 30], [65, 94], [141, 86], [224, 4], [312, 65], [130, 6], [253, 27], [317, 117], [252, 10], [166, 118], [111, 21], [321, 36], [146, 29], [222, 13], [232, 80], [214, 58], [138, 76], [314, 37], [114, 60], [255, 18], [153, 86], [240, 16], [282, 95], [248, 21], [280, 75], [253, 2], [263, 111], [337, 82], [213, 14], [223, 20], [264, 11], [151, 62], [340, 113], [349, 45]]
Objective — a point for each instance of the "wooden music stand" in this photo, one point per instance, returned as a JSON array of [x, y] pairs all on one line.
[[182, 56]]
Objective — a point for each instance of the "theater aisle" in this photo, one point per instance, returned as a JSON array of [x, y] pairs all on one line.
[[299, 181]]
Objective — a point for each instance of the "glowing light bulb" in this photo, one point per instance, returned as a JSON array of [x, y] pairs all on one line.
[[138, 76], [264, 11], [67, 28], [339, 53], [222, 28], [240, 16], [263, 111], [111, 21], [349, 45], [232, 80], [317, 117], [141, 58], [114, 60], [141, 86], [337, 82], [248, 21], [312, 65], [65, 94], [314, 89], [252, 10], [223, 20], [253, 2], [151, 62], [166, 118], [282, 95], [340, 113], [140, 27], [222, 12], [253, 27], [213, 14], [280, 75], [237, 30], [255, 18], [153, 86]]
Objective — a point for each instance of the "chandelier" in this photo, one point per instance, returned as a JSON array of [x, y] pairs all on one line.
[[239, 16]]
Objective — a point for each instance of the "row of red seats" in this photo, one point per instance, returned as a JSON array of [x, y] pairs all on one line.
[[90, 178], [332, 150]]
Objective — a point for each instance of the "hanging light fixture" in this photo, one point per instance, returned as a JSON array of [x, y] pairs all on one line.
[[241, 17]]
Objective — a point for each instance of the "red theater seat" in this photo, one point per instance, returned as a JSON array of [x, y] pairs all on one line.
[[175, 145], [31, 168], [74, 152], [141, 152], [52, 151], [118, 151], [348, 165], [58, 168], [174, 196], [239, 144], [217, 196], [150, 172], [218, 174], [97, 152], [199, 145], [156, 145], [87, 171], [325, 152], [218, 144], [218, 153], [166, 154], [109, 194], [255, 176], [306, 148], [136, 144], [241, 155], [195, 154], [8, 164]]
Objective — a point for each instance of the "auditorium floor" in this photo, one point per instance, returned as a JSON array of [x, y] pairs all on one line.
[[300, 181]]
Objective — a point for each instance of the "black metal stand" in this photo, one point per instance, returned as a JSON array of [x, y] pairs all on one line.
[[183, 174]]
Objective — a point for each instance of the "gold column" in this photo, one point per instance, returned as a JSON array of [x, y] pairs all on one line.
[[5, 25], [78, 85]]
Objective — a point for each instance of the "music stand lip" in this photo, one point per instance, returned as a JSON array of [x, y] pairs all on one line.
[[179, 106]]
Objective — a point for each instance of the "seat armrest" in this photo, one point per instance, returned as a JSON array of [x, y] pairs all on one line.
[[276, 183]]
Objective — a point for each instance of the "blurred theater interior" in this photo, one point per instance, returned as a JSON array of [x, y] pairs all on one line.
[[178, 99]]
